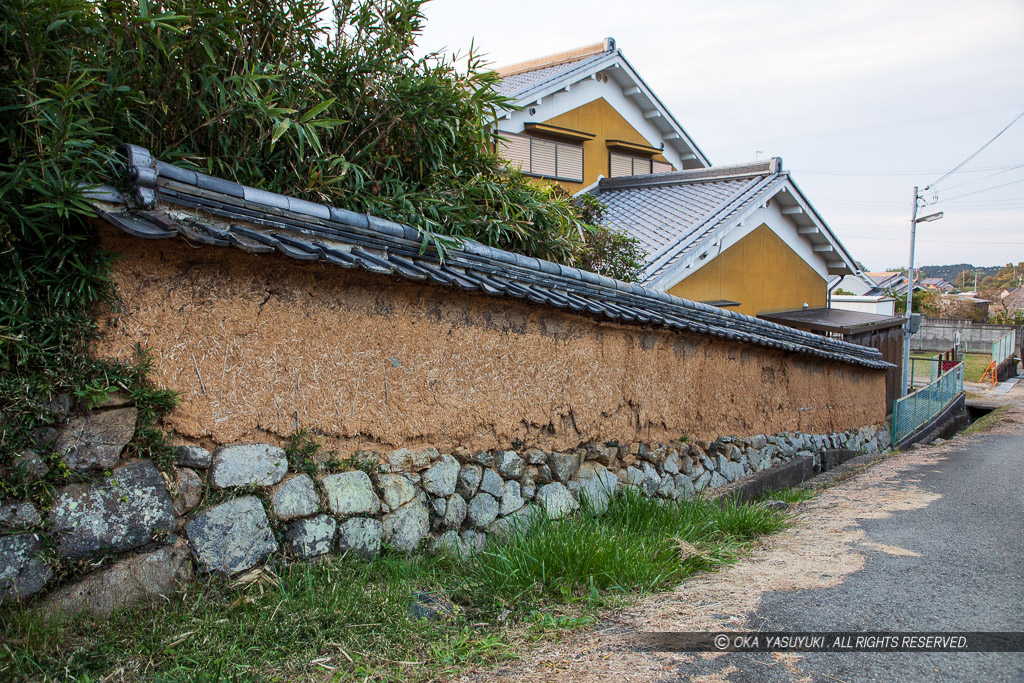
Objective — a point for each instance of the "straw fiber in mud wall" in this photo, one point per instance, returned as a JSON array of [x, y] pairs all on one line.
[[260, 345]]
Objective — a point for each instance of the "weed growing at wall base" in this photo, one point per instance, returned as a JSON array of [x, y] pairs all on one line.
[[344, 619]]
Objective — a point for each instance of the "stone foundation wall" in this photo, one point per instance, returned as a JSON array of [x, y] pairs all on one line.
[[243, 505]]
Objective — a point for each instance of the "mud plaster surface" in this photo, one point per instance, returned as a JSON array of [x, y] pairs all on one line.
[[820, 550], [258, 346]]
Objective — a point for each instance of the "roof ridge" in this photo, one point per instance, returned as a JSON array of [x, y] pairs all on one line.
[[772, 166], [564, 57]]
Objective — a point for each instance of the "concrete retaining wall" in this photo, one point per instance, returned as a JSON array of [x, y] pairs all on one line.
[[939, 335]]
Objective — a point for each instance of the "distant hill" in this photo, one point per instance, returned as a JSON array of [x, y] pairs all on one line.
[[950, 272]]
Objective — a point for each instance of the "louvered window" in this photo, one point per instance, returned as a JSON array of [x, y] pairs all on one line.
[[660, 167], [544, 158], [515, 149], [624, 164]]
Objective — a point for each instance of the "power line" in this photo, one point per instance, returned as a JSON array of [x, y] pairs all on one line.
[[904, 240], [992, 175], [980, 169], [980, 149], [987, 189]]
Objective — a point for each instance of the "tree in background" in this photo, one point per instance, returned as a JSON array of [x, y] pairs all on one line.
[[926, 302], [1010, 276]]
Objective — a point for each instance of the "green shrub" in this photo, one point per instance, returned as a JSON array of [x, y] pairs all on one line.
[[262, 92]]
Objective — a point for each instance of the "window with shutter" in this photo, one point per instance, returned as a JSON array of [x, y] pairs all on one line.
[[641, 166], [660, 167], [515, 149], [624, 164], [620, 165], [545, 158], [570, 162], [542, 157]]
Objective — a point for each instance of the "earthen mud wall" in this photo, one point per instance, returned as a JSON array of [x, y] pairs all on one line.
[[260, 345]]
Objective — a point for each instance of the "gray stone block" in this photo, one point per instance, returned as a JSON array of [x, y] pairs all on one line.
[[295, 497], [492, 483], [519, 520], [684, 488], [310, 537], [360, 536], [528, 487], [132, 579], [482, 458], [667, 487], [455, 512], [351, 493], [509, 464], [441, 478], [231, 537], [407, 526], [20, 514], [536, 457], [476, 540], [188, 490], [469, 480], [193, 456], [95, 441], [450, 542], [597, 485], [406, 460], [512, 499], [118, 513], [23, 573], [652, 480], [396, 489], [563, 465], [482, 510], [556, 500], [257, 464]]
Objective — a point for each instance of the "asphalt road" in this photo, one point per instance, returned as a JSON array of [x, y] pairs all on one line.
[[969, 576]]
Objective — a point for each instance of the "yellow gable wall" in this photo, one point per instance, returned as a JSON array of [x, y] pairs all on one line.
[[761, 272], [601, 119]]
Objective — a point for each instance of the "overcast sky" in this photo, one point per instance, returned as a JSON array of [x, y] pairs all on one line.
[[862, 100]]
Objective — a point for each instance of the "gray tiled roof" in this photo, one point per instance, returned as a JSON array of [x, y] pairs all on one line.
[[517, 84], [672, 213], [168, 202]]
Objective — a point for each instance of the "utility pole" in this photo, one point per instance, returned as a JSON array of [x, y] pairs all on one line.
[[914, 220], [910, 300]]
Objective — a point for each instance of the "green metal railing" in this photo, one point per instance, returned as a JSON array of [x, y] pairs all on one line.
[[918, 408], [1004, 347]]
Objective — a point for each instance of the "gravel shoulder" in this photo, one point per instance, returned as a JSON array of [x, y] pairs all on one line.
[[928, 539]]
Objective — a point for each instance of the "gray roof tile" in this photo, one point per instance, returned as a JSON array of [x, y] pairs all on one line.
[[300, 231], [517, 84], [671, 214]]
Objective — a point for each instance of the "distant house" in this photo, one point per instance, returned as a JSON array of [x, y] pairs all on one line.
[[856, 284], [586, 113], [742, 237], [937, 284], [879, 304]]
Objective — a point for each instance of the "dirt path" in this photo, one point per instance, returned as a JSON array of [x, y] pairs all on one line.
[[826, 545]]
